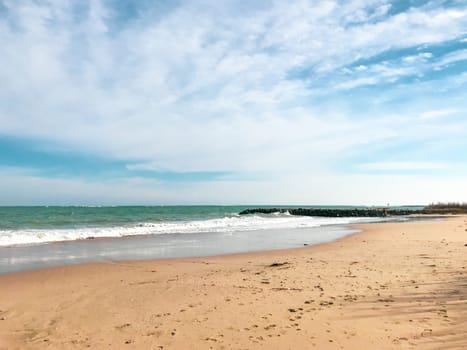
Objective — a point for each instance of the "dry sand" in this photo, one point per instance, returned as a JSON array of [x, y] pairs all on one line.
[[393, 286]]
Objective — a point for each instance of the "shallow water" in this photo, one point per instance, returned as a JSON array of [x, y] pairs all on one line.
[[21, 258]]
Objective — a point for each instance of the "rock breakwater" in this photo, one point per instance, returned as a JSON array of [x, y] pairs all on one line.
[[351, 212]]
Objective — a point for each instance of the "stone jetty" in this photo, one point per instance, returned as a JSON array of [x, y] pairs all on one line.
[[350, 212]]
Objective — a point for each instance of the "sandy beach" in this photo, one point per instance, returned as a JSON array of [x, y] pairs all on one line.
[[392, 286]]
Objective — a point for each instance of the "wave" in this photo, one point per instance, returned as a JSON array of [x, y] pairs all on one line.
[[226, 224]]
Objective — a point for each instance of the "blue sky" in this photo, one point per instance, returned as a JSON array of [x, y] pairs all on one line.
[[189, 102]]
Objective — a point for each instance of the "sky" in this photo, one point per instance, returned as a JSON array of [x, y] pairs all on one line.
[[107, 102]]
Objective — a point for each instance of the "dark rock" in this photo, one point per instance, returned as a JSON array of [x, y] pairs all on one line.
[[278, 264], [351, 212]]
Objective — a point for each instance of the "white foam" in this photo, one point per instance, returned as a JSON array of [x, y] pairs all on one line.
[[226, 224]]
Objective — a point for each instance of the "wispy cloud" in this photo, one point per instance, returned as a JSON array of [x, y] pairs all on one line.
[[405, 165], [456, 56], [441, 113]]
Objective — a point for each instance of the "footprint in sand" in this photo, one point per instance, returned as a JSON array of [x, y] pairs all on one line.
[[123, 326]]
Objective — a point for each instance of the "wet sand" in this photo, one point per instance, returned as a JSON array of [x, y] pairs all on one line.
[[393, 286], [161, 246]]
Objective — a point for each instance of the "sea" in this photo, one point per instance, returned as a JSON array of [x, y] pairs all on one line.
[[45, 236]]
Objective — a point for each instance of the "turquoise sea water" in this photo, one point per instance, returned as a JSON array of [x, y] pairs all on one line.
[[55, 217], [78, 216]]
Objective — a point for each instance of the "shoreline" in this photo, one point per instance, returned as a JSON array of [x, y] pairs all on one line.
[[153, 247], [353, 229], [161, 246], [391, 286]]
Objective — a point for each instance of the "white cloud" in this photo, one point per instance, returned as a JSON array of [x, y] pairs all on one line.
[[403, 165], [351, 84], [420, 58], [208, 88], [453, 57], [440, 113]]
